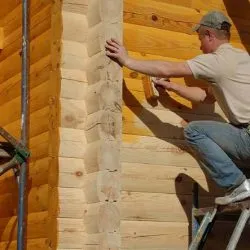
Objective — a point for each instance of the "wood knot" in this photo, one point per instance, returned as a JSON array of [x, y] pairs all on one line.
[[154, 18], [79, 173], [133, 74], [69, 118]]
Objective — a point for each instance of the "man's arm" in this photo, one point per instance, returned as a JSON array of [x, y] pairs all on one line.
[[194, 94], [153, 68]]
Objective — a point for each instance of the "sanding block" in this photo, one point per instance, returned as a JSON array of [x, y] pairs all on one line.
[[149, 88]]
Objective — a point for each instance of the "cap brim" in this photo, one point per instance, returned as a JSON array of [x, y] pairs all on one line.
[[196, 27]]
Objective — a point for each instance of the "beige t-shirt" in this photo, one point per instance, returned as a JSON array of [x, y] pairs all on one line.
[[228, 71]]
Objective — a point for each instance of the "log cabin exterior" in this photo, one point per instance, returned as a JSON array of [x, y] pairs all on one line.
[[109, 170]]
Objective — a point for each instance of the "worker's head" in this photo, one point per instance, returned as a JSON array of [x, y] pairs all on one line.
[[213, 30]]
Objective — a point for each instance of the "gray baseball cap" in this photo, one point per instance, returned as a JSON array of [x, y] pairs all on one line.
[[214, 19]]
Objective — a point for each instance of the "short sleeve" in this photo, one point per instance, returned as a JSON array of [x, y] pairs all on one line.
[[205, 67]]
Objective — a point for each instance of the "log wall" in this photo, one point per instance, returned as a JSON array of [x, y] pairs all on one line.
[[42, 173], [72, 144], [90, 127], [157, 169]]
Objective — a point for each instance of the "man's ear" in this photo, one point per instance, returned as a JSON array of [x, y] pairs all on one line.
[[210, 34]]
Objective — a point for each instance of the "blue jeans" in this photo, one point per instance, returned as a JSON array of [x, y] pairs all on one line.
[[218, 147]]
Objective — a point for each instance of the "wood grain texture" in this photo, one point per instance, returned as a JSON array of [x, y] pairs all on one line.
[[177, 18], [158, 170]]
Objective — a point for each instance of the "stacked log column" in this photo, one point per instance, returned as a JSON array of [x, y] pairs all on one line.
[[103, 128]]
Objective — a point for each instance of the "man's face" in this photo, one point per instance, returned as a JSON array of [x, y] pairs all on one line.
[[205, 41]]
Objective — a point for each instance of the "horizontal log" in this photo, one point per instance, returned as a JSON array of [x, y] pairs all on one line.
[[103, 96], [186, 3], [39, 23], [37, 199], [39, 98], [73, 113], [103, 124], [76, 6], [80, 240], [71, 240], [102, 155], [36, 227], [38, 175], [154, 235], [79, 22], [39, 73], [161, 15], [71, 172], [35, 128], [12, 64], [174, 103], [74, 48], [39, 146], [101, 217], [102, 186], [175, 18], [136, 206], [165, 179], [74, 74], [149, 116], [230, 7], [173, 235], [73, 60], [39, 244], [12, 19], [71, 203], [6, 8], [70, 225], [74, 135], [72, 143], [71, 89], [160, 123], [162, 42], [153, 150]]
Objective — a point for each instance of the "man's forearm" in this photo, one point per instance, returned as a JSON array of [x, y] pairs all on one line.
[[194, 94], [152, 68]]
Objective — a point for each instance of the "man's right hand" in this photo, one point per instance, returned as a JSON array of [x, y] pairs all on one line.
[[116, 51], [162, 83]]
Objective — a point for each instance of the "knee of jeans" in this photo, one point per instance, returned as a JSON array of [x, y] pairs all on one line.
[[191, 130]]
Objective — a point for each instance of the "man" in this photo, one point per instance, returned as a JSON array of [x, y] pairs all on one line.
[[227, 70]]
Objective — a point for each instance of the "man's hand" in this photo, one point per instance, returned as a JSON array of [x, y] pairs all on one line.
[[115, 50], [162, 83]]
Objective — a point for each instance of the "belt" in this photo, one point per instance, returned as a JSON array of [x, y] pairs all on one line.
[[243, 125]]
